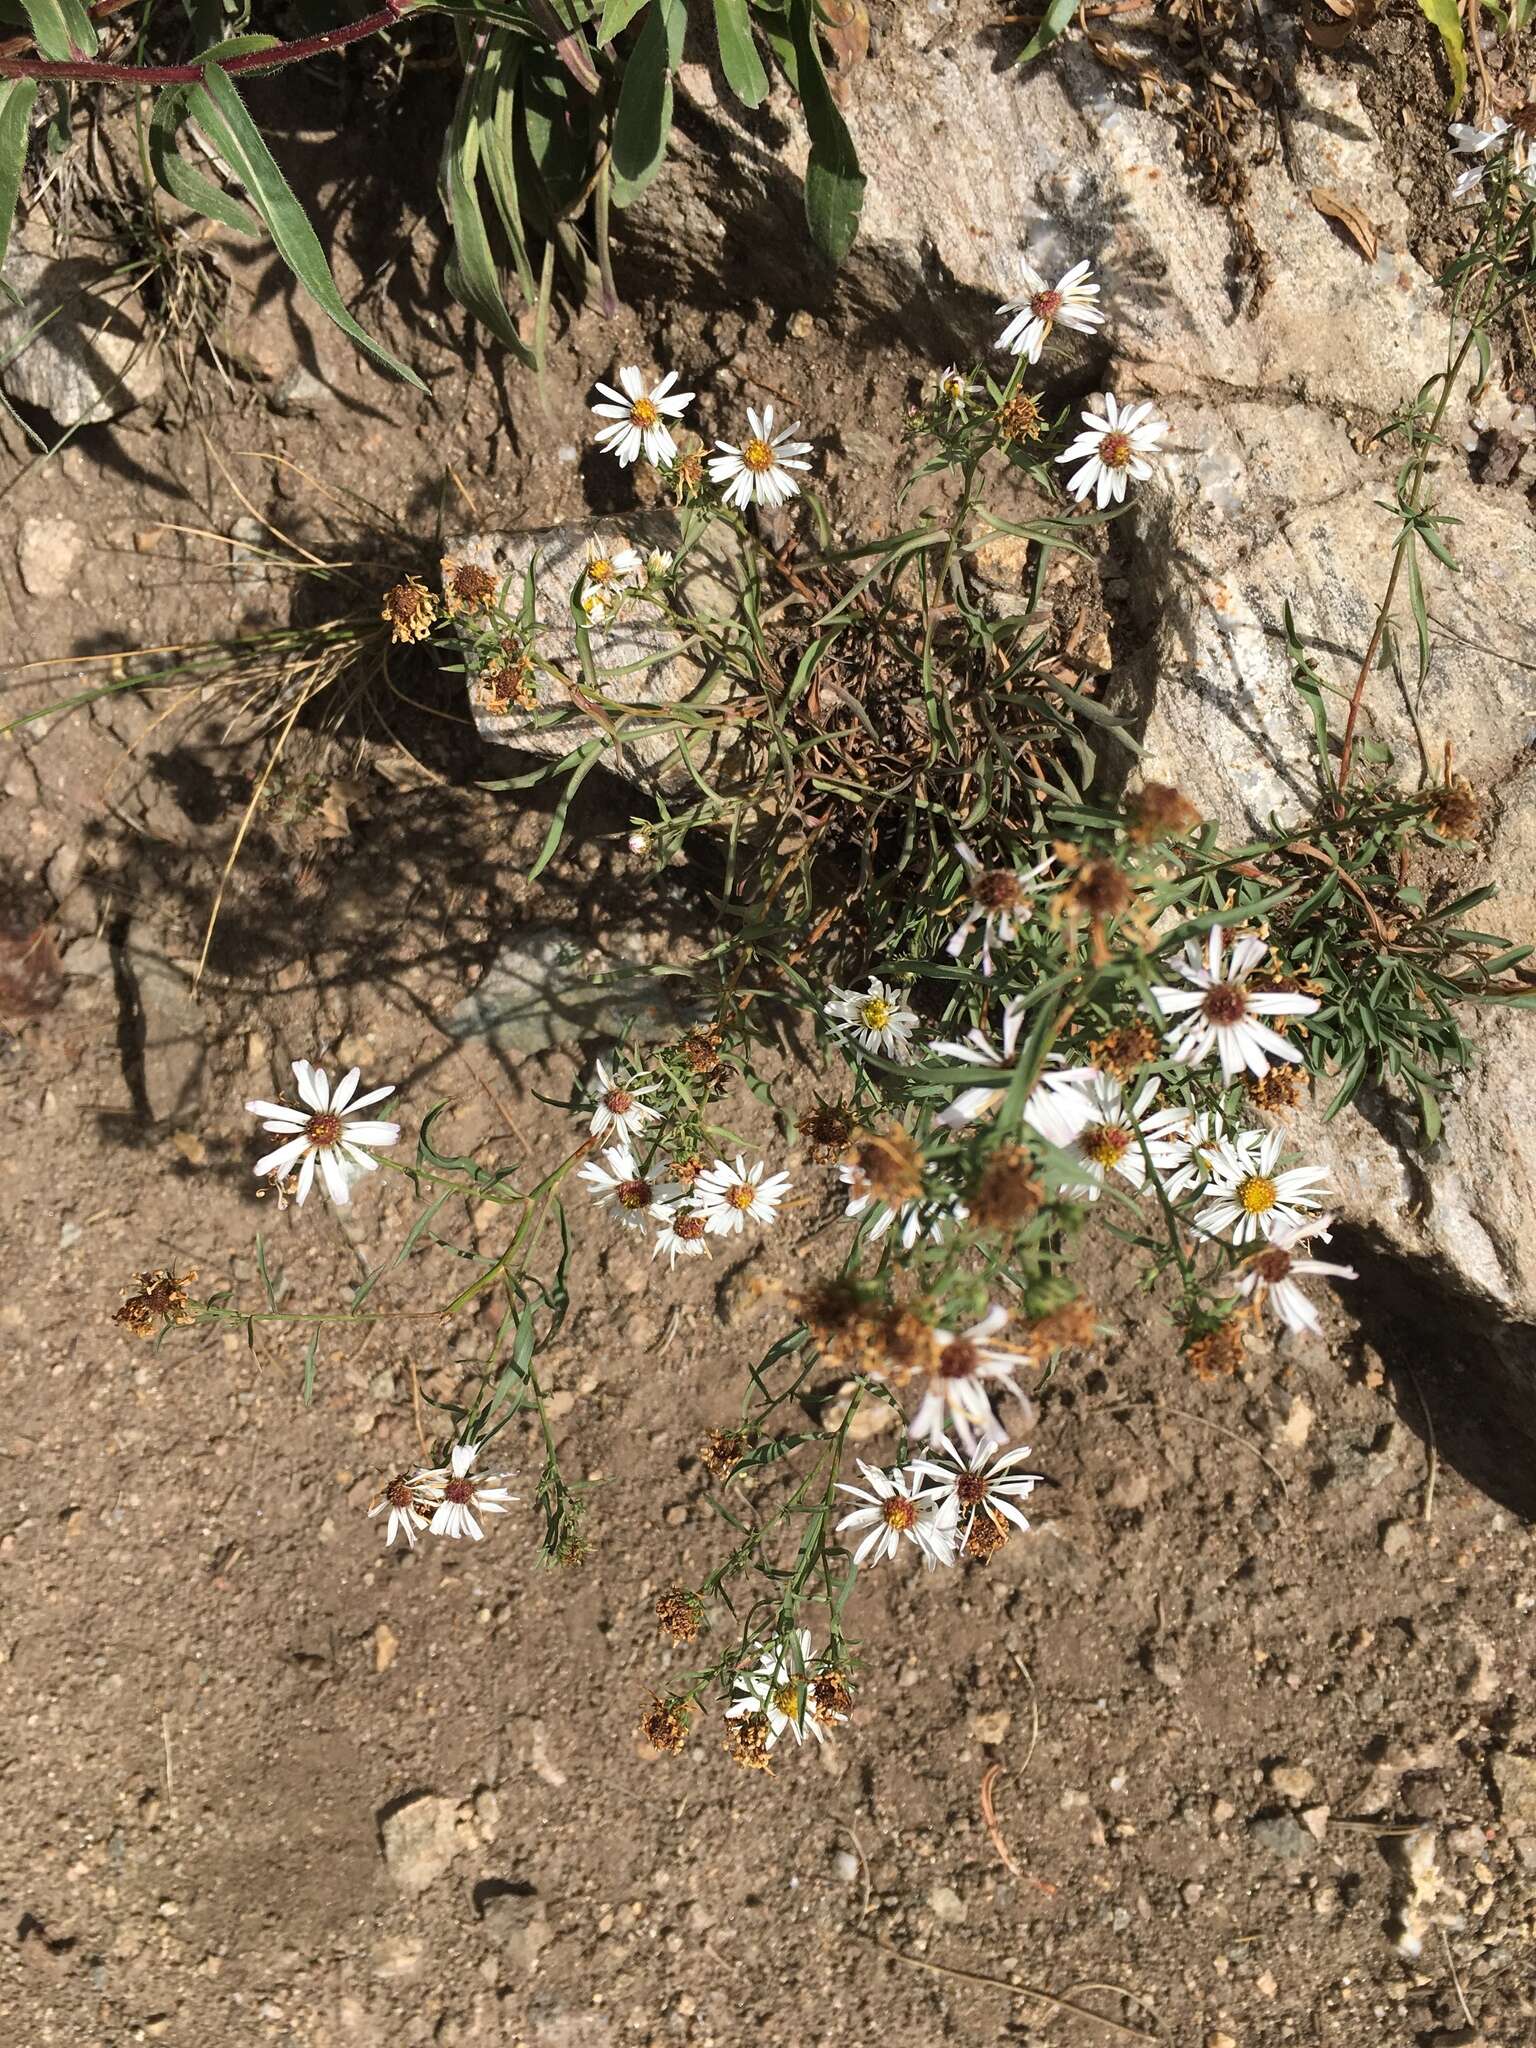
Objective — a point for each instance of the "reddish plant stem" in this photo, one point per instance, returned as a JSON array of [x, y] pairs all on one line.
[[297, 52], [12, 46]]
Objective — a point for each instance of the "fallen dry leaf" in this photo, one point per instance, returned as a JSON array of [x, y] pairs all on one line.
[[1354, 223]]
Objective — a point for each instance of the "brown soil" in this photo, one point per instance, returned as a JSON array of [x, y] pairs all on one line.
[[1303, 1593]]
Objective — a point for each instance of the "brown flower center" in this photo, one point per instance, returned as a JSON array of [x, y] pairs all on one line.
[[399, 1492], [1225, 1003], [959, 1360], [618, 1102], [1045, 305], [1104, 1144], [633, 1194], [1115, 450], [460, 1491], [324, 1129], [1272, 1265], [644, 413], [689, 1228], [998, 889], [757, 456]]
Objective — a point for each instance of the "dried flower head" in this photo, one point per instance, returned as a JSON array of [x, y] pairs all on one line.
[[1020, 419], [1097, 890], [908, 1346], [830, 1698], [687, 475], [826, 1128], [409, 609], [1072, 1326], [686, 1171], [1455, 809], [467, 587], [1158, 811], [1278, 1090], [1218, 1353], [843, 1317], [1122, 1053], [747, 1742], [722, 1451], [986, 1539], [680, 1614], [1274, 981], [664, 1726], [1525, 120], [701, 1051], [509, 686], [154, 1302], [887, 1165], [1006, 1194]]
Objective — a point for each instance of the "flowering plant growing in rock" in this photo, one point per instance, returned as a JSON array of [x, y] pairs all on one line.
[[1043, 997]]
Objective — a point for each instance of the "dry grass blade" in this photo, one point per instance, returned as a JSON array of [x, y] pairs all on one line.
[[1349, 217], [1058, 2003]]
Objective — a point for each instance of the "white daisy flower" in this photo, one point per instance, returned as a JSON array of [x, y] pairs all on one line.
[[684, 1232], [953, 388], [637, 418], [1191, 1146], [760, 468], [1113, 449], [412, 1500], [877, 1017], [997, 899], [323, 1133], [729, 1195], [916, 1217], [620, 1109], [981, 1484], [1219, 1012], [1070, 302], [1469, 141], [462, 1494], [896, 1508], [958, 1395], [611, 572], [616, 1180], [1269, 1276], [658, 564], [978, 1050], [1249, 1198], [1088, 1117], [778, 1686]]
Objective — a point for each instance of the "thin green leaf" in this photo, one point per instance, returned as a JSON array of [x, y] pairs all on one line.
[[1445, 16], [643, 120], [62, 28], [834, 184], [470, 271], [310, 1358], [16, 97], [743, 68], [1054, 23], [176, 176], [220, 111], [617, 15]]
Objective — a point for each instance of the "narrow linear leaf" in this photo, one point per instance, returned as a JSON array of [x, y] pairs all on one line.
[[617, 15], [1055, 22], [62, 28], [16, 97], [643, 120], [176, 176], [1445, 16], [471, 270], [219, 109], [834, 184], [739, 60]]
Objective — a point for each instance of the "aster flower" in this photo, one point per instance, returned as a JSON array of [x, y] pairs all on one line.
[[610, 573], [1112, 450], [412, 1499], [982, 1484], [1191, 1145], [1070, 302], [1249, 1197], [1220, 1012], [323, 1132], [877, 1017], [914, 1218], [953, 388], [780, 1688], [729, 1195], [997, 899], [617, 1181], [978, 1050], [760, 468], [684, 1231], [1475, 142], [1088, 1117], [1269, 1276], [894, 1509], [461, 1494], [620, 1111], [637, 418], [966, 1366]]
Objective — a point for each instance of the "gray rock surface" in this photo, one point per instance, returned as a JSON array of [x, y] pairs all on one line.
[[640, 660], [551, 985], [47, 554], [419, 1836], [75, 345]]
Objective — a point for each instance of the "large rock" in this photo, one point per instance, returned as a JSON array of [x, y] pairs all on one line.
[[641, 660], [73, 343]]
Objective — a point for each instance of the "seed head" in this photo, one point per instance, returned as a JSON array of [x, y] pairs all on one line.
[[701, 1051], [1007, 1194], [907, 1346], [665, 1727], [1455, 810], [1123, 1052], [467, 587], [830, 1698], [827, 1128], [888, 1165], [156, 1301], [1074, 1326], [1280, 1089], [1020, 419], [746, 1742], [1218, 1353], [986, 1539], [687, 475], [680, 1614], [508, 685], [722, 1451], [1158, 811], [409, 609], [686, 1171]]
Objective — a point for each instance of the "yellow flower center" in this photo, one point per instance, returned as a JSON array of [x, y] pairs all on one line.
[[953, 387], [757, 456], [600, 569], [786, 1698], [1105, 1144], [875, 1014], [741, 1196], [643, 412], [323, 1129], [1256, 1194], [1115, 451], [898, 1513]]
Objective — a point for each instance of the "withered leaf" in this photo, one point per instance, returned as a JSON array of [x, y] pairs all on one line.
[[1350, 219]]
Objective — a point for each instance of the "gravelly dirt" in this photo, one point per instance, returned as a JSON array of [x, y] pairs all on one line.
[[1241, 1603]]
